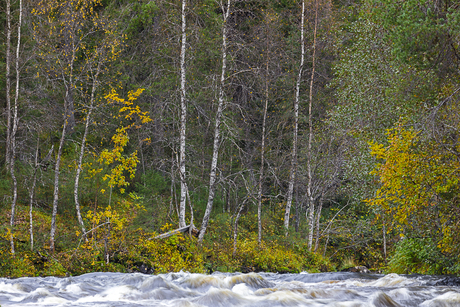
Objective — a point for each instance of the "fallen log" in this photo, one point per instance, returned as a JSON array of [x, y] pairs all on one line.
[[191, 229]]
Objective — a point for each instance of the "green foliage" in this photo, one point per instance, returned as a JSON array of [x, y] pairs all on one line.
[[418, 29], [144, 16], [16, 265], [419, 255]]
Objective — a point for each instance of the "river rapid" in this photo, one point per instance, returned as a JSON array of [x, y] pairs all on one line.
[[224, 289]]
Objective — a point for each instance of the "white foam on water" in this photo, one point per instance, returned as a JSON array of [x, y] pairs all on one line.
[[201, 280], [155, 282], [393, 280], [222, 281], [118, 293], [449, 299], [287, 298], [52, 300], [11, 288], [221, 290], [401, 294], [184, 303], [221, 297], [242, 289], [348, 304], [73, 288]]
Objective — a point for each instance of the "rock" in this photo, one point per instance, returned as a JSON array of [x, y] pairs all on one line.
[[450, 281], [247, 269], [145, 269]]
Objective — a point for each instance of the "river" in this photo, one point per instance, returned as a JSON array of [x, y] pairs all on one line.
[[224, 289]]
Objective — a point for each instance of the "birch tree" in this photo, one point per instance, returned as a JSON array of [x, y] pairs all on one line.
[[62, 31], [82, 149], [264, 124], [183, 120], [8, 84], [11, 136], [292, 172], [310, 137], [97, 61], [217, 132]]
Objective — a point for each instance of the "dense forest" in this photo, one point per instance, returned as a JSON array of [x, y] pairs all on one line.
[[283, 135]]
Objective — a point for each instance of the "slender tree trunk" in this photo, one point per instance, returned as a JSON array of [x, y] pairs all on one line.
[[262, 149], [318, 215], [292, 173], [172, 201], [16, 94], [220, 108], [56, 185], [297, 210], [310, 137], [235, 227], [67, 99], [15, 127], [8, 85], [183, 122], [68, 116], [31, 196], [384, 239], [82, 152], [325, 245], [13, 208], [31, 203]]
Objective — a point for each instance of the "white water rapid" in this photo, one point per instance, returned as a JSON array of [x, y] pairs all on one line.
[[222, 289]]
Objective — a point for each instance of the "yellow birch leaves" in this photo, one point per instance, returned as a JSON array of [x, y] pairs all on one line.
[[116, 156], [419, 182]]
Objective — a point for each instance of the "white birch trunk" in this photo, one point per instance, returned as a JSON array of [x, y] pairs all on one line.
[[15, 127], [310, 138], [56, 185], [292, 172], [318, 216], [82, 153], [220, 108], [235, 228], [67, 101], [8, 85], [183, 122], [31, 197], [13, 208]]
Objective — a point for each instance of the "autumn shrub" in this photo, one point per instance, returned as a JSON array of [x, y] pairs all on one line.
[[172, 254], [270, 256], [418, 255], [17, 265]]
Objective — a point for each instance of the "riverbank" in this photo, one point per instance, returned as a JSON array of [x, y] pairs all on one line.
[[126, 247]]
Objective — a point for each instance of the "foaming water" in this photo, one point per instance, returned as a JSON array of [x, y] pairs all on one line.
[[224, 289]]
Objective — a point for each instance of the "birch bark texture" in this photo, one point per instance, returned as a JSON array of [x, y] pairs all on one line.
[[15, 120], [183, 120], [57, 173], [292, 172], [310, 138], [8, 84], [217, 132], [82, 150]]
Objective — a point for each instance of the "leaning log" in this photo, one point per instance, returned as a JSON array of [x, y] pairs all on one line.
[[191, 229]]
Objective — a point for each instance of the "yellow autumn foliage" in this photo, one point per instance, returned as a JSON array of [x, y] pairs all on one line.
[[418, 185]]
